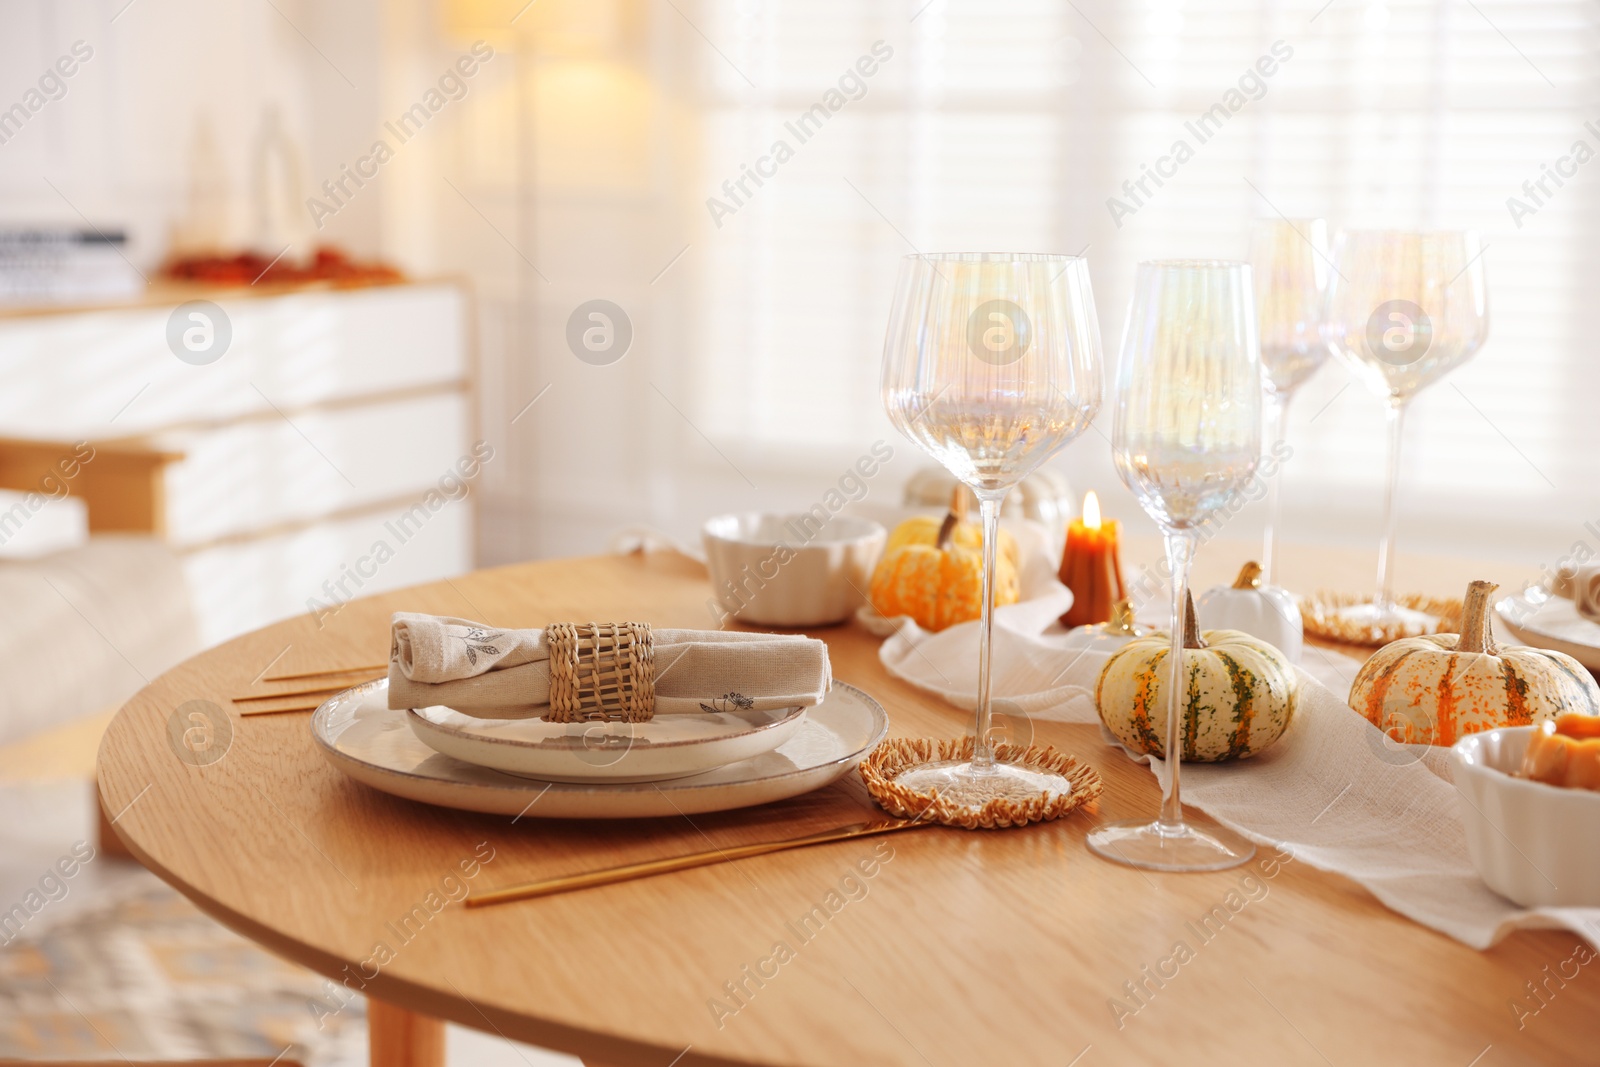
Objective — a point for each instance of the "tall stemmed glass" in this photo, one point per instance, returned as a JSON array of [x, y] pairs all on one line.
[[991, 365], [1403, 310], [1186, 435], [1289, 258]]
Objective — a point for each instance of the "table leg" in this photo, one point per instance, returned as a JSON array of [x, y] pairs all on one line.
[[400, 1038]]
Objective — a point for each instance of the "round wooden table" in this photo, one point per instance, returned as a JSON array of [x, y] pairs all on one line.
[[939, 947]]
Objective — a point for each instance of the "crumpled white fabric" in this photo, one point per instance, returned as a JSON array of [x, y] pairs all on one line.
[[1333, 791]]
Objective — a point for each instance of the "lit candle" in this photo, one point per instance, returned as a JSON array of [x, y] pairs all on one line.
[[1091, 567]]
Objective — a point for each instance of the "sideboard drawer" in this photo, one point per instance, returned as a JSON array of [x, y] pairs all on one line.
[[96, 374], [242, 585], [262, 473]]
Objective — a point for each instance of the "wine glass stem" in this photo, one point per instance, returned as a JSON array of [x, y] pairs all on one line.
[[1180, 552], [1397, 418], [1277, 412], [989, 509]]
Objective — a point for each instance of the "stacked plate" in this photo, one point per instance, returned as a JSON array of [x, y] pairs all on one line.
[[1544, 620], [671, 765]]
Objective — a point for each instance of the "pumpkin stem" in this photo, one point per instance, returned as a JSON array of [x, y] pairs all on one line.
[[1122, 619], [1477, 634], [1191, 625], [946, 528], [1249, 576], [958, 502]]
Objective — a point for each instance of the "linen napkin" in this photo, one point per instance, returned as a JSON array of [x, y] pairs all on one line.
[[1586, 591], [497, 673], [1334, 792]]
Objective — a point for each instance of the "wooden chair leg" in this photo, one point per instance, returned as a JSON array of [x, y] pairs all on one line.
[[401, 1038]]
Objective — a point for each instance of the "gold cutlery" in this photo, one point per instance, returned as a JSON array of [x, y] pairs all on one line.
[[364, 669], [291, 693], [373, 670], [279, 711], [630, 871]]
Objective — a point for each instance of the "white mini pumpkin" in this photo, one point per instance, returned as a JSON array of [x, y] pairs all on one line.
[[1265, 611]]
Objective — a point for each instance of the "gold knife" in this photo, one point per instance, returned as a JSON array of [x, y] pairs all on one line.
[[649, 868]]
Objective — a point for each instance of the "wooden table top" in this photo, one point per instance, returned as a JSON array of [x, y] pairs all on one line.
[[940, 947]]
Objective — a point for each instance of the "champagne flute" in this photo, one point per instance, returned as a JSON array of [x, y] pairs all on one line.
[[991, 365], [1186, 437], [1289, 258], [1403, 310]]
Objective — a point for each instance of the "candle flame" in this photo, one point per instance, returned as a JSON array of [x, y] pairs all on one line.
[[1091, 510]]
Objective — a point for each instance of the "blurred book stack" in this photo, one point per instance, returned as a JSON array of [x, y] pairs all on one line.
[[61, 265]]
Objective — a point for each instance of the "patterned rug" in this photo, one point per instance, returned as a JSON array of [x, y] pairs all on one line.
[[139, 973]]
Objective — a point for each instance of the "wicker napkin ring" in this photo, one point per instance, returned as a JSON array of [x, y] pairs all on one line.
[[601, 671]]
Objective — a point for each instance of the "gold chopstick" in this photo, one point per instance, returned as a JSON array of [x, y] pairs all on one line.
[[326, 673], [630, 871], [291, 693], [276, 711]]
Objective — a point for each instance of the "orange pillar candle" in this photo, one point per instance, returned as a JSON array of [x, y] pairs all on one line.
[[1091, 567]]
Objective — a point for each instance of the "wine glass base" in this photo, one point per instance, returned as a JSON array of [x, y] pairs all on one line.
[[1372, 613], [967, 784], [1154, 846]]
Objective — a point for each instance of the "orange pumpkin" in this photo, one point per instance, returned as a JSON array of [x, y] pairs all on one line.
[[1438, 688], [933, 571]]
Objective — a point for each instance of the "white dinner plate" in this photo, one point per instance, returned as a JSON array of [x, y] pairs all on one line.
[[1543, 620], [668, 746], [361, 737]]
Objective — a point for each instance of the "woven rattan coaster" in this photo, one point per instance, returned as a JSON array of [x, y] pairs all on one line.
[[601, 672], [1319, 614], [879, 769]]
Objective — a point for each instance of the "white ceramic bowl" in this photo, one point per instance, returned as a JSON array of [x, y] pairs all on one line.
[[790, 570], [1537, 844]]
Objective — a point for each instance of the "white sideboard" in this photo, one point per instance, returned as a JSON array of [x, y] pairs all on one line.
[[328, 453]]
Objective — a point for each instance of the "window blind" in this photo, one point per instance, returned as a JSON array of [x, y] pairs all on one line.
[[1015, 126]]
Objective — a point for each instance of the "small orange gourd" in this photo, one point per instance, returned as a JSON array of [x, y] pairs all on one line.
[[932, 570]]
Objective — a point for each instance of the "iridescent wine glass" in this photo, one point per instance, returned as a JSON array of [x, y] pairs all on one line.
[[1403, 309], [991, 365], [1186, 436], [1289, 258]]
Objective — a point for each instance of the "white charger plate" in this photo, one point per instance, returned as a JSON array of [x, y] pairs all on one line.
[[666, 747], [360, 736], [1536, 617]]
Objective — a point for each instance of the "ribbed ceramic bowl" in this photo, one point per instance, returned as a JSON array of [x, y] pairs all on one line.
[[791, 570], [1537, 844]]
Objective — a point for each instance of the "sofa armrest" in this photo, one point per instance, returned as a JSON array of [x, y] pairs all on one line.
[[122, 483]]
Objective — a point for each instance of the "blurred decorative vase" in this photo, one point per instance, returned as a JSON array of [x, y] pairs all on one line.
[[1043, 496]]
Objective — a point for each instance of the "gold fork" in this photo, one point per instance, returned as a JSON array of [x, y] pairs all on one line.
[[649, 868]]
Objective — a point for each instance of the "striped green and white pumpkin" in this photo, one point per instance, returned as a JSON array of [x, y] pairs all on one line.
[[1438, 688], [1240, 694]]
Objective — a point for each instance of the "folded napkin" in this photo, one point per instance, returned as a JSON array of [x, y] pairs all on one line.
[[1333, 792], [1586, 591], [491, 673]]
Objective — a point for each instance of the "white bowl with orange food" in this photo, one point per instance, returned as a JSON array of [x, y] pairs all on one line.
[[1530, 802]]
